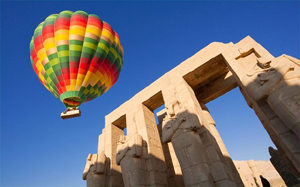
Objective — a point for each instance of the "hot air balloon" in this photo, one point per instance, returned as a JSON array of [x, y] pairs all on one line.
[[77, 57]]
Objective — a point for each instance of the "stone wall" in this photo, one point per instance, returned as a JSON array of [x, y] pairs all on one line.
[[264, 168]]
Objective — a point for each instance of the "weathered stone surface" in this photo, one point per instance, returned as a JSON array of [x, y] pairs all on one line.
[[129, 156], [186, 144], [95, 170]]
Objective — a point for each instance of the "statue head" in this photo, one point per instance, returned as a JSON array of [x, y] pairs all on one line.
[[172, 108]]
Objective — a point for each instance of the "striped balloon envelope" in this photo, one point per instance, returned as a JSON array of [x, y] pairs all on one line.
[[76, 56]]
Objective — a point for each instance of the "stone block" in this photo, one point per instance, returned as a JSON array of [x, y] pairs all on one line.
[[296, 130], [205, 184], [225, 182], [218, 171], [196, 174], [212, 154], [291, 141], [178, 181], [138, 178], [278, 126], [158, 178], [205, 137], [128, 163], [170, 172], [186, 139], [296, 161], [155, 164], [194, 154], [184, 163], [187, 176]]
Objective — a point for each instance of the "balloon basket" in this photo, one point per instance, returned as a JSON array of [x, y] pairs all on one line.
[[70, 114]]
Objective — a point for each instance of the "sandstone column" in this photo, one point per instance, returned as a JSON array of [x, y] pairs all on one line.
[[271, 87], [145, 125], [206, 167], [112, 135], [174, 172], [216, 135]]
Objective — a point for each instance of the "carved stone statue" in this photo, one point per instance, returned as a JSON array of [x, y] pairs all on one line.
[[180, 127], [94, 171], [278, 82], [177, 119], [129, 156]]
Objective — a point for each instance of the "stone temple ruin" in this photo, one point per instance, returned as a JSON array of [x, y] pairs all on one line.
[[185, 148]]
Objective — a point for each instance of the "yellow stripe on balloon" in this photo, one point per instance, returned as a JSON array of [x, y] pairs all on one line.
[[39, 66], [108, 35], [62, 32], [77, 30], [87, 77], [94, 30], [61, 37], [49, 43]]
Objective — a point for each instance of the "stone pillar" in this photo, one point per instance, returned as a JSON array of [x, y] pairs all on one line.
[[271, 87], [226, 156], [174, 172], [255, 173], [205, 167], [155, 161], [112, 135]]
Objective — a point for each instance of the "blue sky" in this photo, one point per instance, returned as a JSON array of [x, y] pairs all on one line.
[[38, 148]]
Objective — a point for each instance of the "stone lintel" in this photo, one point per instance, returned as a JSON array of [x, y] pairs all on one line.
[[155, 101], [216, 88], [120, 122], [152, 93]]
